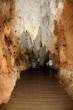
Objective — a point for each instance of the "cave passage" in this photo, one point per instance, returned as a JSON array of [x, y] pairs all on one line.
[[38, 89]]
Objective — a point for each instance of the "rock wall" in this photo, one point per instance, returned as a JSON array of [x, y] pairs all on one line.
[[7, 77], [11, 61], [64, 45]]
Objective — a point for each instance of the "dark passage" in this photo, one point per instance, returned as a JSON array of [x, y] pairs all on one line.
[[38, 89]]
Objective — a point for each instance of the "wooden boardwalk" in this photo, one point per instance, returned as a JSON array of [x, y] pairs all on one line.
[[38, 89]]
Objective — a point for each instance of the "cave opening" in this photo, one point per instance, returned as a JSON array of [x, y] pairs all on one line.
[[36, 46]]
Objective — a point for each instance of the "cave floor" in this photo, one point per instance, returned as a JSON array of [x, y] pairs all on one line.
[[38, 89]]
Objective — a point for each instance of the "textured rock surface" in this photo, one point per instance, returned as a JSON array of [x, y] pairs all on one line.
[[66, 77], [64, 33]]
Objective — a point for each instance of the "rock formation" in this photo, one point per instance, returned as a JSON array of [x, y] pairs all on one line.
[[32, 28], [64, 33]]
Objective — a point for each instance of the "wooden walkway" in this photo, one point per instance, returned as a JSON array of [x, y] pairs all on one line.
[[38, 90]]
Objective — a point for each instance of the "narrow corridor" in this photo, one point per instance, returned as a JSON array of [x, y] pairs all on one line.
[[38, 89]]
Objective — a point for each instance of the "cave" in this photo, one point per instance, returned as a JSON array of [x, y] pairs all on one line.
[[32, 30]]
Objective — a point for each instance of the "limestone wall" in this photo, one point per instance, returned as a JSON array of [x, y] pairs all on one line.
[[64, 46]]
